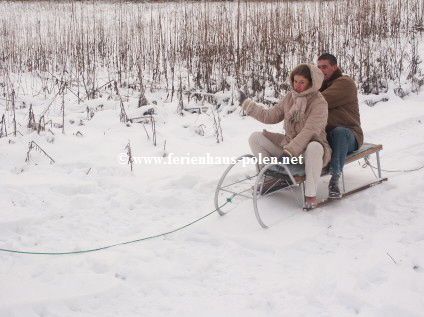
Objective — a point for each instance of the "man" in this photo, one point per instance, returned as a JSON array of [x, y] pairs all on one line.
[[343, 129]]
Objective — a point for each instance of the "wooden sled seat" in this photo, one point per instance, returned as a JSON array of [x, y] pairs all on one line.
[[298, 170]]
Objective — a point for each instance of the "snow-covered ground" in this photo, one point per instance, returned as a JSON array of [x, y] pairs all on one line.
[[363, 255]]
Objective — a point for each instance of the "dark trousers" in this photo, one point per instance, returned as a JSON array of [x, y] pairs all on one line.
[[342, 141]]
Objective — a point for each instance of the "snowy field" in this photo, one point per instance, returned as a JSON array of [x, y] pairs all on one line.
[[361, 256]]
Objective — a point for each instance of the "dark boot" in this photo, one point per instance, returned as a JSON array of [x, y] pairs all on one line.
[[333, 187]]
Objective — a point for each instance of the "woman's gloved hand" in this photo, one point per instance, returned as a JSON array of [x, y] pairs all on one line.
[[242, 97]]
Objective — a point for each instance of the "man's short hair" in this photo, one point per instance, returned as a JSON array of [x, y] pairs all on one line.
[[328, 57]]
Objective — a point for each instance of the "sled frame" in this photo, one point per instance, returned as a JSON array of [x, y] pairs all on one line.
[[256, 192]]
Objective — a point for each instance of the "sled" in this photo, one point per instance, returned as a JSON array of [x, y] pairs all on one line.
[[275, 177]]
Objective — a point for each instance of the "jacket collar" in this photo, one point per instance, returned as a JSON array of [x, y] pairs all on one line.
[[327, 83]]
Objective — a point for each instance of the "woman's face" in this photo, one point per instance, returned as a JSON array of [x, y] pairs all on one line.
[[300, 83]]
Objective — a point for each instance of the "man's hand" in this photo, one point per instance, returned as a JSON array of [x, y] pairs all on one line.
[[242, 97]]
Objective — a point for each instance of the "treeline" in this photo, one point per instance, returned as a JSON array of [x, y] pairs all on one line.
[[211, 46]]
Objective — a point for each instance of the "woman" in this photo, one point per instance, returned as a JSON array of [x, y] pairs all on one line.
[[304, 111]]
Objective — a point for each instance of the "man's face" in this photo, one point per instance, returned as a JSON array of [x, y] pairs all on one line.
[[326, 68]]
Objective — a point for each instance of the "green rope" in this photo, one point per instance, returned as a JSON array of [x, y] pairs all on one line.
[[229, 200]]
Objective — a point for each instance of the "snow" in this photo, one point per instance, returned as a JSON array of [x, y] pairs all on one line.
[[359, 256], [363, 255]]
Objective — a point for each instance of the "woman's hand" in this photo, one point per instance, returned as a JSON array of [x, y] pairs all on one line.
[[242, 97]]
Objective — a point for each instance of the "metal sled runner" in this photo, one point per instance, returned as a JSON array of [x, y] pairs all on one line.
[[257, 184]]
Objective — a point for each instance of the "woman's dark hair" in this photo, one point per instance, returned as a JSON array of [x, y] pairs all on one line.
[[302, 70]]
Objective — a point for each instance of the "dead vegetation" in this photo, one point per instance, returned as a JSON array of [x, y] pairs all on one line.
[[120, 49], [254, 42]]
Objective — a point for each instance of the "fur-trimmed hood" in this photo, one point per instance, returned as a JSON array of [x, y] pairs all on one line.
[[317, 79]]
